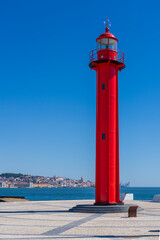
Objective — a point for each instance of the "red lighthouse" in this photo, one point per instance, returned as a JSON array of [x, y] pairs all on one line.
[[106, 60]]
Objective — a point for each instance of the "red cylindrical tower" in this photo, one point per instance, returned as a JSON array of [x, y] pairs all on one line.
[[107, 61]]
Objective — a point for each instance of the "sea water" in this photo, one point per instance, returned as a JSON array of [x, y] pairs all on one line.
[[46, 194]]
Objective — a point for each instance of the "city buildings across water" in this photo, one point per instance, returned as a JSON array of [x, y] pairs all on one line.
[[12, 180]]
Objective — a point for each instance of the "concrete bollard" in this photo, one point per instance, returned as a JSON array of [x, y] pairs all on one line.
[[156, 198], [126, 196]]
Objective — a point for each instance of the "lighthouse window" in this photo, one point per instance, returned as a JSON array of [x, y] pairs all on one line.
[[103, 43], [112, 44], [103, 86], [103, 136]]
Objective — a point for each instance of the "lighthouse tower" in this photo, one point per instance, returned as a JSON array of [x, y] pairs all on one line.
[[107, 61]]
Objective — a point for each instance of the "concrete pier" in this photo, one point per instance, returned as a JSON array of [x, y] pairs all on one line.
[[52, 220]]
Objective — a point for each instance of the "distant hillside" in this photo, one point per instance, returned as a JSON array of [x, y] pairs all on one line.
[[15, 175]]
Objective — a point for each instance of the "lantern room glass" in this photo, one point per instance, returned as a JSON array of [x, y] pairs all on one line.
[[105, 43]]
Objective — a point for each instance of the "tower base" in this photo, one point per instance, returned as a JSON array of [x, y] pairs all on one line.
[[106, 204], [109, 208]]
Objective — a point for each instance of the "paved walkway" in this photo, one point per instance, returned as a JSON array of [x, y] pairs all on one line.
[[51, 220]]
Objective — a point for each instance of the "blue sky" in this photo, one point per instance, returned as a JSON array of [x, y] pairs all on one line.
[[48, 92]]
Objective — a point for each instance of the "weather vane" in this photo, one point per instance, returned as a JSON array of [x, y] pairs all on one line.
[[107, 23]]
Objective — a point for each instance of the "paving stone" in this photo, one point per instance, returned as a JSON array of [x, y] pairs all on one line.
[[51, 220]]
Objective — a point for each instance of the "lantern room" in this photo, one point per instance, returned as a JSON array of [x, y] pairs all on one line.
[[107, 46], [107, 41]]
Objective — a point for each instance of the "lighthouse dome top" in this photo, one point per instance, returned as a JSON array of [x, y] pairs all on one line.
[[107, 34]]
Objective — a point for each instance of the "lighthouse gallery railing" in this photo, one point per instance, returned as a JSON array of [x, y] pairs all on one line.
[[93, 55]]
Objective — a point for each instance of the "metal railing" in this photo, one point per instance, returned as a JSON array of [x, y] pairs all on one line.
[[93, 55]]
